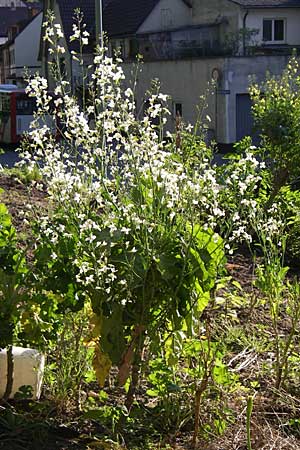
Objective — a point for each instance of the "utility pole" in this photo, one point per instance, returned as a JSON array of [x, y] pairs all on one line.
[[99, 22]]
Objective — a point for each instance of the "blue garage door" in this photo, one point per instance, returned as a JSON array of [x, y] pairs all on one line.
[[244, 118]]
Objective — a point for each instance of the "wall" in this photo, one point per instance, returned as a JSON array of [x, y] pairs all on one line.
[[8, 3], [186, 80], [180, 16], [236, 77], [292, 16], [217, 11], [181, 43], [27, 45]]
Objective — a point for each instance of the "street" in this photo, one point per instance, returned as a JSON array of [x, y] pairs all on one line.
[[9, 157]]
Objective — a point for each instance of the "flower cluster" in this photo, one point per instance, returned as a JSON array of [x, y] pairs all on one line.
[[125, 190], [113, 181], [133, 178]]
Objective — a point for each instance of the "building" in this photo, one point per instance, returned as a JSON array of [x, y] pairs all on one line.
[[17, 42], [19, 56], [14, 11], [64, 13], [11, 3], [10, 16], [188, 43]]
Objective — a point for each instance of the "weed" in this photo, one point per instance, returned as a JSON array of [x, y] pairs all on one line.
[[23, 174], [69, 362]]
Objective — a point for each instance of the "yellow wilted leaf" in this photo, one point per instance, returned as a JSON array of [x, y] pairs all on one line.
[[95, 326], [101, 364]]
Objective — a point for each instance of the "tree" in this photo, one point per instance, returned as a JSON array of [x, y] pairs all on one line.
[[276, 110]]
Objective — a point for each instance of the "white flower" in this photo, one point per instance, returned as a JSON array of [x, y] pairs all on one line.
[[125, 230], [60, 49], [89, 279]]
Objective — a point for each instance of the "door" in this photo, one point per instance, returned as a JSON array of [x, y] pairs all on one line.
[[244, 119]]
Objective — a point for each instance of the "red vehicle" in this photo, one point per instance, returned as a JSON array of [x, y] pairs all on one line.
[[16, 113]]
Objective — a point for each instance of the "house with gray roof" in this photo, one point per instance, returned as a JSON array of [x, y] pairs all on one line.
[[64, 11], [166, 29], [19, 55], [19, 38], [11, 17], [14, 12], [186, 44]]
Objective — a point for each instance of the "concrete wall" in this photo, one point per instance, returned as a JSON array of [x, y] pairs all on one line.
[[178, 15], [292, 21], [216, 11], [9, 3], [27, 45], [186, 80], [236, 78]]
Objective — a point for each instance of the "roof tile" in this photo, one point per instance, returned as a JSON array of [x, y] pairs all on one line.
[[9, 17], [125, 17], [268, 3]]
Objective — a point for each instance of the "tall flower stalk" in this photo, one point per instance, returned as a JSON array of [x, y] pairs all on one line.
[[123, 230]]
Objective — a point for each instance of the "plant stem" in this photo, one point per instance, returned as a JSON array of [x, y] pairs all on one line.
[[248, 421], [198, 395], [135, 372], [280, 179], [10, 373], [136, 366]]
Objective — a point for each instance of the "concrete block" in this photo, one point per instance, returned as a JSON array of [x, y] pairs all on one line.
[[28, 370]]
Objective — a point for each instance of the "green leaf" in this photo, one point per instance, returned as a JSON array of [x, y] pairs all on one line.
[[93, 414], [113, 341], [169, 265]]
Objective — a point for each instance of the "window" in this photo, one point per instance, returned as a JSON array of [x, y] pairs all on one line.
[[13, 31], [25, 106], [118, 48], [133, 48], [62, 66], [11, 57], [4, 103], [121, 49], [273, 30], [166, 18], [178, 109]]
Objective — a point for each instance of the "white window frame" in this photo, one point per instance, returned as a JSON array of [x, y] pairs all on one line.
[[273, 41]]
